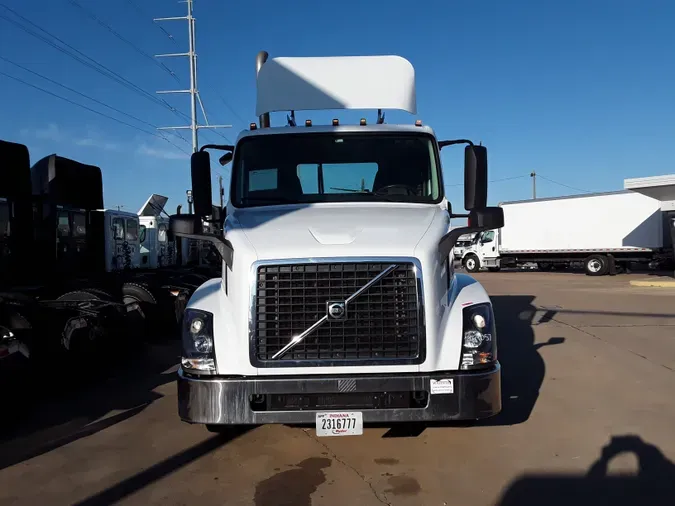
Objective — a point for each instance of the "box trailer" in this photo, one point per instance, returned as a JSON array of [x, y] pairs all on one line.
[[599, 231]]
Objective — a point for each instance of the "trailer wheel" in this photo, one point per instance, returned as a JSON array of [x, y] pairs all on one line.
[[471, 263], [596, 265]]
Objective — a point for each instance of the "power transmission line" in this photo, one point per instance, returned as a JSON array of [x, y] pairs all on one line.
[[563, 184], [81, 94], [92, 110], [86, 60], [105, 25], [493, 181]]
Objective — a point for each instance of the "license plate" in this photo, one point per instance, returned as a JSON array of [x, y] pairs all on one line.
[[339, 423]]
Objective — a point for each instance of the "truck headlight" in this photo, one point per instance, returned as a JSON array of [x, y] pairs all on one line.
[[479, 339], [198, 348]]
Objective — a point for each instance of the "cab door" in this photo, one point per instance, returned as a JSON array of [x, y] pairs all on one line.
[[487, 246]]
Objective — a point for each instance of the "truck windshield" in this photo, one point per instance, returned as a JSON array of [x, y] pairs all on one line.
[[335, 167]]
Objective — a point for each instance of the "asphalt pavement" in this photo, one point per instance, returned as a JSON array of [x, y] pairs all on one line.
[[588, 418]]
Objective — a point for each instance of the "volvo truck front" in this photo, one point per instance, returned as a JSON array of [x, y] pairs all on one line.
[[338, 303]]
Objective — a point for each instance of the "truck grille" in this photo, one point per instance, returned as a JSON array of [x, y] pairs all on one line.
[[384, 324]]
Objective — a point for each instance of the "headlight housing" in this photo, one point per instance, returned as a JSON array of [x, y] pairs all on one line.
[[479, 337], [198, 347]]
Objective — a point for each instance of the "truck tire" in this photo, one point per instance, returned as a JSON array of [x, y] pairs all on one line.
[[471, 263], [77, 295], [596, 265], [133, 292]]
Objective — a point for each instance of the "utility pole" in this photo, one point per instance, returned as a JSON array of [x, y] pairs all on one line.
[[533, 175], [193, 91]]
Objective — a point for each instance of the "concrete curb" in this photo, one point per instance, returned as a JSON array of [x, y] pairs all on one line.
[[655, 283]]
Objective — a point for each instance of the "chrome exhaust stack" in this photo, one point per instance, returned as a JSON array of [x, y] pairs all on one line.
[[260, 59]]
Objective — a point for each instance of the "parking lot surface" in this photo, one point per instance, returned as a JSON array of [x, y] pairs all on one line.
[[588, 418]]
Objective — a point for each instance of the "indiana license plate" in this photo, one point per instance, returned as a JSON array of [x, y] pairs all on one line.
[[339, 423]]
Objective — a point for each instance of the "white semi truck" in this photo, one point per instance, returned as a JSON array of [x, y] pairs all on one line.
[[338, 303], [600, 231]]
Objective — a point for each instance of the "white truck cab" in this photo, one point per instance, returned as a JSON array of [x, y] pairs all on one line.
[[483, 251], [156, 248], [338, 303]]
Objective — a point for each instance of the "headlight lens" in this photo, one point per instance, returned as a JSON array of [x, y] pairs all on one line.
[[198, 347], [479, 345]]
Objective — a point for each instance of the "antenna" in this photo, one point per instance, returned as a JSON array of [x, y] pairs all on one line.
[[194, 93]]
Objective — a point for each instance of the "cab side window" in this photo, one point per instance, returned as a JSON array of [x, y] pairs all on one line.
[[118, 229]]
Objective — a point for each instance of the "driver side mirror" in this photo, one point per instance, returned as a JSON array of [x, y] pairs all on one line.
[[200, 168], [487, 218], [475, 177]]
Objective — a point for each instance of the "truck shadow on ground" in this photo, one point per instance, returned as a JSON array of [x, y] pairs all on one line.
[[654, 483], [47, 416], [523, 368]]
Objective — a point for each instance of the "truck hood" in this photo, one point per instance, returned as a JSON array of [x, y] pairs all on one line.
[[329, 230]]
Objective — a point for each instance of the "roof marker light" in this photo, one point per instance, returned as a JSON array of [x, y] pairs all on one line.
[[418, 122], [336, 122], [308, 122], [253, 126], [362, 122]]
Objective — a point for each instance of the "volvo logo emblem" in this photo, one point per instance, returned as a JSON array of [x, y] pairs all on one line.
[[336, 310]]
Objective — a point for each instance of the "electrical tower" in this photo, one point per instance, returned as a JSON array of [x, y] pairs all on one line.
[[193, 91]]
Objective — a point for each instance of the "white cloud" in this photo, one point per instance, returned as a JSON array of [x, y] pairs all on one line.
[[97, 143], [51, 133], [164, 154]]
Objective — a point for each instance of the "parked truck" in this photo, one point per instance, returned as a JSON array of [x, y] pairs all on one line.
[[338, 303], [50, 302], [603, 232]]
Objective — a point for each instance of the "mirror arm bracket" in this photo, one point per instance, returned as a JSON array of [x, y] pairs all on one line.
[[449, 240], [442, 144], [223, 246]]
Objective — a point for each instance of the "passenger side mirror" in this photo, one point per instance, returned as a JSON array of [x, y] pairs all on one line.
[[190, 226], [200, 168], [475, 177], [185, 224]]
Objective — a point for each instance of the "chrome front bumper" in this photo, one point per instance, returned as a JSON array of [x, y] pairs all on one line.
[[229, 401]]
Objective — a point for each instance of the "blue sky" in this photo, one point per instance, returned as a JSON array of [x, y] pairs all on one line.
[[580, 91]]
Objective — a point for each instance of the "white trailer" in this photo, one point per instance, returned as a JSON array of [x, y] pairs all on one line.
[[600, 231]]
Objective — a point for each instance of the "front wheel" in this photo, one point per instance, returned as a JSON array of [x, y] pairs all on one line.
[[471, 263]]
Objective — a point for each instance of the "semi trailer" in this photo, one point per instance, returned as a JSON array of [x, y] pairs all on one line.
[[603, 232], [338, 303]]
